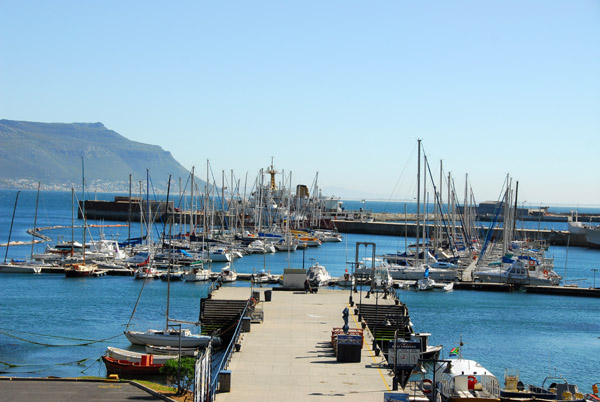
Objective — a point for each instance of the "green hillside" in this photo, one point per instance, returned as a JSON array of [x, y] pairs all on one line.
[[51, 154]]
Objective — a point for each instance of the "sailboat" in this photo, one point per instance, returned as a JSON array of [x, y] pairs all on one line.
[[14, 267], [170, 336], [76, 270]]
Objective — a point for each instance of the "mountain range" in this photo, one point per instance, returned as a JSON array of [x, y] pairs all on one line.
[[57, 154]]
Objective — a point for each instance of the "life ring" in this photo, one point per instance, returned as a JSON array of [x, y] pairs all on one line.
[[545, 273], [427, 390], [531, 262]]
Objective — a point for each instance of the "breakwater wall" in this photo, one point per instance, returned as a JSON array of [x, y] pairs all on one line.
[[409, 229]]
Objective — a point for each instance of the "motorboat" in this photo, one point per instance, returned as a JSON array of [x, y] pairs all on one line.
[[136, 357], [172, 275], [425, 284], [170, 351], [552, 388], [462, 380], [146, 367], [147, 272], [317, 275], [196, 273], [261, 277], [521, 271], [414, 273], [15, 267], [345, 280], [227, 274]]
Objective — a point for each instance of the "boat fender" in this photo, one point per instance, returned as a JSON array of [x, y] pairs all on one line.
[[531, 262], [427, 389]]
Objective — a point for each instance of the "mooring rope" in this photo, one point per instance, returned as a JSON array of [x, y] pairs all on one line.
[[87, 341]]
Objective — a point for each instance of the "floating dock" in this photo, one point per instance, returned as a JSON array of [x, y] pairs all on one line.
[[289, 356]]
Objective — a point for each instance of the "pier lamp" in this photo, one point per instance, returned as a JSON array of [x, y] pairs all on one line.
[[375, 346], [594, 270]]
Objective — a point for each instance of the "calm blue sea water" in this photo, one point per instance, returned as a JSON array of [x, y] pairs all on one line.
[[537, 334]]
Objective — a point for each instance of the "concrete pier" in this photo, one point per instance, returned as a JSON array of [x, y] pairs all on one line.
[[289, 357]]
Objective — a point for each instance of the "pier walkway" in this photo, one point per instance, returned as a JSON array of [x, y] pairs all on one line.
[[288, 357]]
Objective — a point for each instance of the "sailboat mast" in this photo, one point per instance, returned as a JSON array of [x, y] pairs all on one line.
[[170, 258], [129, 213], [83, 206], [72, 220], [11, 226], [37, 199], [418, 199]]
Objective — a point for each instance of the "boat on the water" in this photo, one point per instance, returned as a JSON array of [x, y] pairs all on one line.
[[462, 380], [168, 338], [196, 273], [14, 267], [80, 270], [552, 389], [136, 357], [146, 367], [227, 274], [521, 271], [345, 280], [170, 351]]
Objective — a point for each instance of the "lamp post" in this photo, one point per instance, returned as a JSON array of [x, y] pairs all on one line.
[[594, 270], [356, 264]]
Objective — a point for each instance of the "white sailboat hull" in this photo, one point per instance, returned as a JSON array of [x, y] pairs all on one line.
[[161, 338]]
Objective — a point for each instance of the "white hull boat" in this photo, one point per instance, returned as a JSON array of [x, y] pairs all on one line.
[[318, 276], [227, 275], [520, 272], [409, 273], [461, 380], [171, 350], [10, 268], [196, 273], [136, 357], [168, 338]]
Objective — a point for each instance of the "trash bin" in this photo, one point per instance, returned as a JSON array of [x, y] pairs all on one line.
[[349, 348], [225, 381], [267, 295], [246, 323]]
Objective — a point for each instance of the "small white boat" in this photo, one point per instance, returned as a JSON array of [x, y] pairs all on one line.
[[135, 357], [196, 273], [219, 255], [171, 351], [261, 277], [19, 268], [227, 274], [446, 287], [147, 272], [425, 284], [317, 275], [345, 280]]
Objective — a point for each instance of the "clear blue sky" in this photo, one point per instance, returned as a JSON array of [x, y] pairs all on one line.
[[344, 88]]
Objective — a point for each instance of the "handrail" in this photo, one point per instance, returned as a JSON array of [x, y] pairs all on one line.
[[229, 351]]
